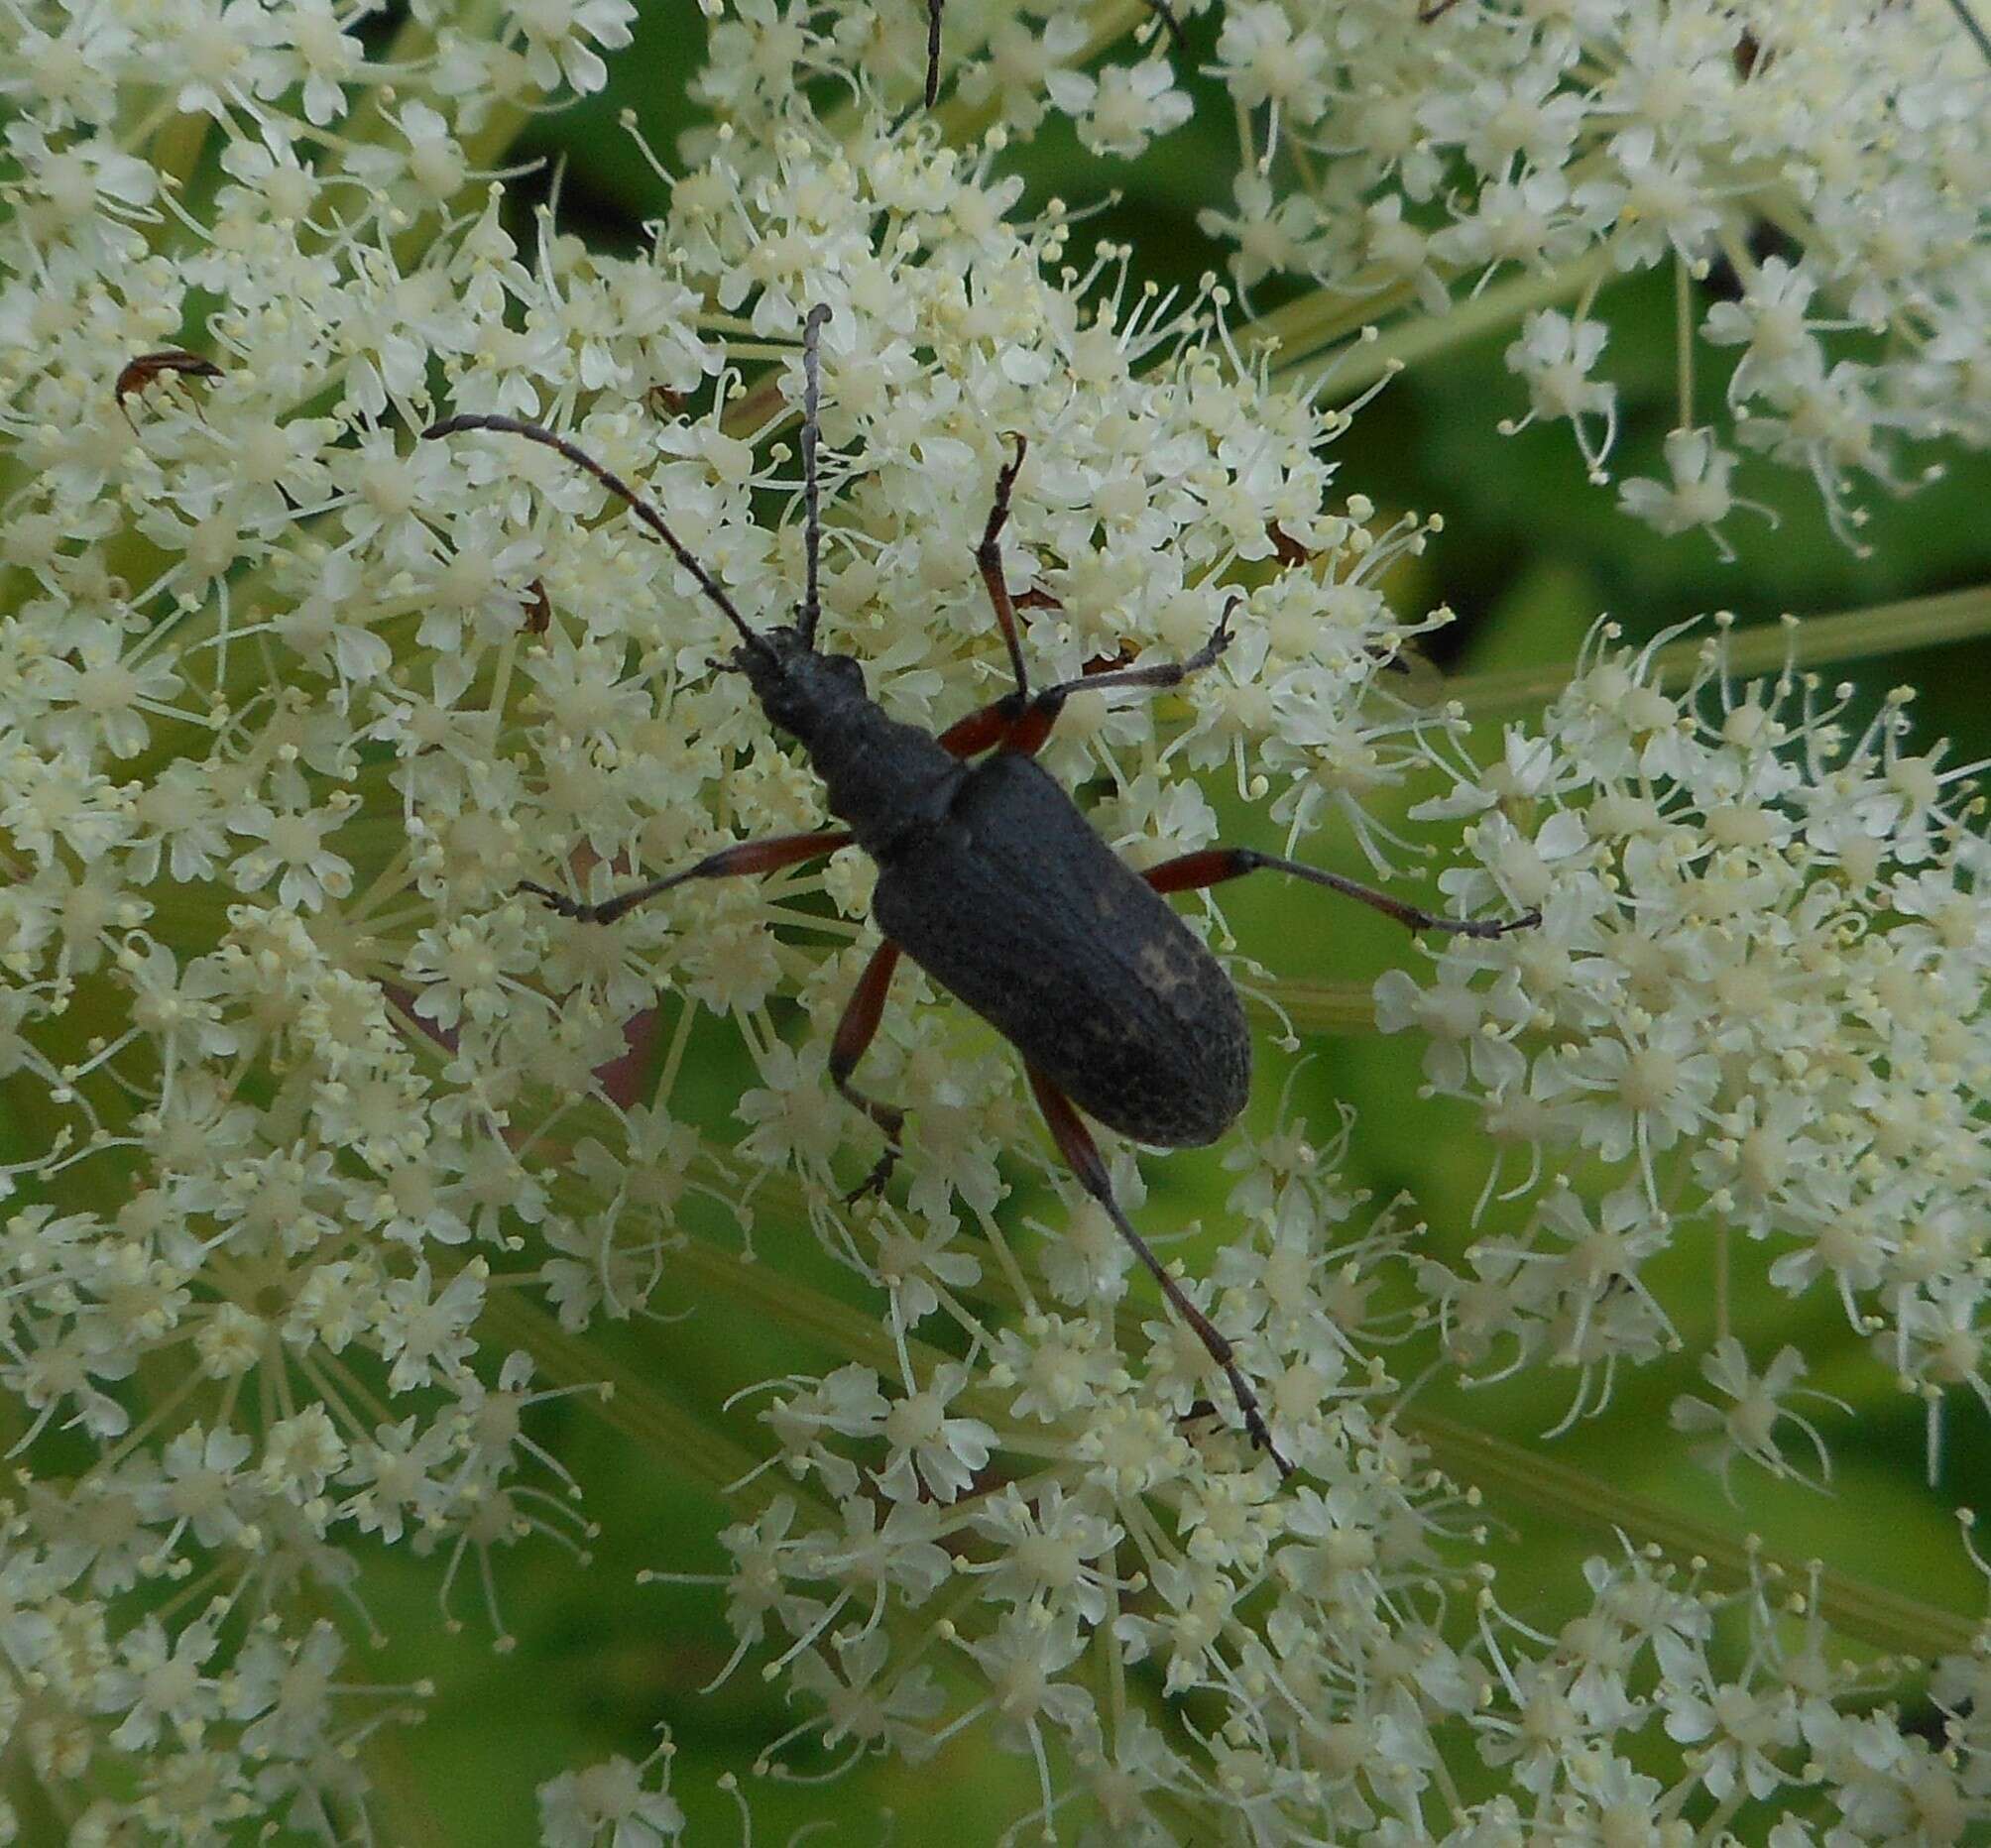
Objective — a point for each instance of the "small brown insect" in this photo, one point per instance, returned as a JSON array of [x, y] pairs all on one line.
[[148, 367], [539, 608]]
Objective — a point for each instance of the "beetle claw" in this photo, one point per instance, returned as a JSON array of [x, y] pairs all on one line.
[[556, 901], [873, 1183], [1255, 1428], [1262, 1438]]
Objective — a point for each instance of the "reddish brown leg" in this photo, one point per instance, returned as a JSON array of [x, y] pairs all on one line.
[[1021, 725], [777, 851], [980, 730], [1027, 736], [855, 1032], [1075, 1142], [1211, 865]]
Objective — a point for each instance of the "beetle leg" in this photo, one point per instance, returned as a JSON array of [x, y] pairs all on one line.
[[780, 850], [1158, 675], [1075, 1142], [989, 726], [1211, 865], [812, 532], [1020, 723], [855, 1032], [988, 557], [1027, 735]]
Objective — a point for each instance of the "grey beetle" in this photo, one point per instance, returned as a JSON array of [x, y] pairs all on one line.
[[992, 881]]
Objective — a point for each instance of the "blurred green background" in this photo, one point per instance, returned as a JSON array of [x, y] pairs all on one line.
[[1529, 557]]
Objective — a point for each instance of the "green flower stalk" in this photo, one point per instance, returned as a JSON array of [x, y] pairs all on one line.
[[334, 1167]]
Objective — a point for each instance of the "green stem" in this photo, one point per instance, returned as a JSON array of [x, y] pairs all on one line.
[[1810, 642], [765, 1291], [1301, 330], [1334, 1007], [629, 1404], [1574, 1498]]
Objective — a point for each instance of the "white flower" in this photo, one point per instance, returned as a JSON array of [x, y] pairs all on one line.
[[1556, 356], [1748, 1426], [1123, 109], [928, 1450], [1603, 137], [1715, 939], [335, 1154], [577, 1806], [1698, 494]]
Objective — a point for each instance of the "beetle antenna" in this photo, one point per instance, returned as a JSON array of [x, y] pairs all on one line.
[[642, 509], [812, 537]]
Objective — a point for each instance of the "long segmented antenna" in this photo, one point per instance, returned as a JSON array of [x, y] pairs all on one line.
[[1965, 18], [933, 50], [642, 509], [812, 536]]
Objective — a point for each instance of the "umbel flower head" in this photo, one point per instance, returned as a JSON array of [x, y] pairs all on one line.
[[1814, 179], [1757, 999], [330, 1157], [295, 701]]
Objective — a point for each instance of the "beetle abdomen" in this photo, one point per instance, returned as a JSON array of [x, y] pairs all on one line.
[[1017, 906]]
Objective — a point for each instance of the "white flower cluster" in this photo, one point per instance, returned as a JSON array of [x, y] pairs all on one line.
[[323, 1145], [1814, 176], [1327, 1668], [999, 63], [290, 700], [1757, 999]]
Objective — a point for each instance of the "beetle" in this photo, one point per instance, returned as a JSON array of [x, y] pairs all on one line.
[[992, 881], [138, 374]]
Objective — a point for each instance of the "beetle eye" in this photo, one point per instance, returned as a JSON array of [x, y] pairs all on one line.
[[848, 669]]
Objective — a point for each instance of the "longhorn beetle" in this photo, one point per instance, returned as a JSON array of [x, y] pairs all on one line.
[[994, 883]]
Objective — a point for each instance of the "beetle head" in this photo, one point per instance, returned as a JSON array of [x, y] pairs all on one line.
[[802, 691]]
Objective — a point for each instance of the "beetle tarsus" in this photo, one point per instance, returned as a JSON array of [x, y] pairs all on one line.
[[1254, 1422], [1471, 927], [872, 1185], [558, 901], [578, 910], [933, 9], [1218, 1344], [988, 560]]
